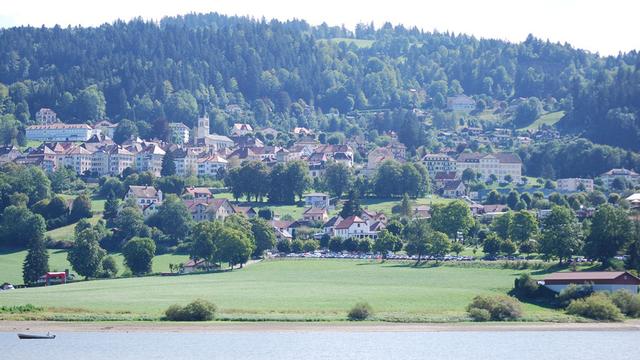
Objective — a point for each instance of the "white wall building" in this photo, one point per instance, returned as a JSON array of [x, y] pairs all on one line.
[[573, 184], [59, 132], [498, 164], [179, 133], [46, 116]]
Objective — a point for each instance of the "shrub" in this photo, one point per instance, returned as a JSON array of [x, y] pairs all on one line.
[[310, 245], [628, 303], [574, 292], [197, 310], [296, 246], [526, 286], [109, 267], [596, 306], [360, 311], [479, 314], [499, 307]]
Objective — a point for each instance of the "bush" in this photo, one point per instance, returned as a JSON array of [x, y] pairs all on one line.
[[574, 292], [628, 303], [525, 286], [479, 314], [296, 246], [310, 245], [499, 307], [597, 306], [360, 311], [198, 310]]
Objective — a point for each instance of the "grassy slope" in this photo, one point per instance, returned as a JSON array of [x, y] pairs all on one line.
[[303, 289], [11, 263], [546, 119]]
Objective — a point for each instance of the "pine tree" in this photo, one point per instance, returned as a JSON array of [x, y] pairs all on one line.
[[405, 207], [36, 263], [111, 207], [351, 206], [168, 165]]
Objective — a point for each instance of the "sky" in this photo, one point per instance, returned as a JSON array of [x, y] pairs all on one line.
[[598, 26]]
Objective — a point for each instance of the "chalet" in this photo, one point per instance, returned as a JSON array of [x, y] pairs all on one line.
[[422, 212], [197, 192], [601, 280], [241, 129], [247, 211], [443, 177], [144, 195], [454, 189], [316, 214], [209, 209]]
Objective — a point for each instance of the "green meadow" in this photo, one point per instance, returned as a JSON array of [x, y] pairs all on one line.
[[303, 290]]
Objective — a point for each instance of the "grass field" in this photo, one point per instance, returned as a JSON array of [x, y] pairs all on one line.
[[547, 119], [294, 290], [11, 263]]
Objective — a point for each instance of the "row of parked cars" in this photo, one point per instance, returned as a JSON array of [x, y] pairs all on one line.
[[347, 255]]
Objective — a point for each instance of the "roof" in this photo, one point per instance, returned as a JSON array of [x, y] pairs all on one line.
[[346, 223], [315, 211], [588, 275], [453, 185], [445, 175], [198, 190], [316, 195], [59, 126], [332, 222], [620, 172], [505, 158], [143, 191]]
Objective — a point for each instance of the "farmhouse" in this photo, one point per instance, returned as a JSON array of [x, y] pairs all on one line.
[[601, 280]]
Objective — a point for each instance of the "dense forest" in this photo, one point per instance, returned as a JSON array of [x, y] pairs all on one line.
[[289, 74]]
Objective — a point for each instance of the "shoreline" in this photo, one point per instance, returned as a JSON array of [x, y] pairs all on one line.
[[126, 327]]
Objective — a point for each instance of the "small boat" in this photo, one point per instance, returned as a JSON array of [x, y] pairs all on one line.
[[32, 336]]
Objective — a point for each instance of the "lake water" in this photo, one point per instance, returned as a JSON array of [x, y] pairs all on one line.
[[534, 345]]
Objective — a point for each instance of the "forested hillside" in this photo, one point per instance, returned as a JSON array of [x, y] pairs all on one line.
[[282, 73]]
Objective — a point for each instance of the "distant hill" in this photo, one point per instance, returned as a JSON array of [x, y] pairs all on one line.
[[276, 72]]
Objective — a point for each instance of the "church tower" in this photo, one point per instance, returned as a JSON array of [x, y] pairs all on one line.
[[202, 130]]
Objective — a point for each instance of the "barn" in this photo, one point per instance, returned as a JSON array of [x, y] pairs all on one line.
[[601, 280]]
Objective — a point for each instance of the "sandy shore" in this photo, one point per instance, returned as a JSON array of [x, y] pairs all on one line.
[[44, 326]]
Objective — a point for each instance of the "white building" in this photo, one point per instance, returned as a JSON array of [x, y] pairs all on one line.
[[213, 142], [46, 116], [461, 103], [106, 128], [498, 164], [624, 174], [150, 159], [59, 132], [436, 163], [354, 227], [574, 184], [179, 133], [211, 165], [144, 195], [317, 200]]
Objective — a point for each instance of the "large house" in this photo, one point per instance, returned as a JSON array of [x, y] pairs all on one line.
[[59, 132], [600, 280], [355, 227], [436, 163], [500, 165], [624, 174], [575, 184], [179, 133], [150, 159], [461, 103], [241, 129], [209, 209], [144, 195], [317, 200], [46, 116]]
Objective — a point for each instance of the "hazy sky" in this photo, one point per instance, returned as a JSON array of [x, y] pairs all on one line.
[[603, 26]]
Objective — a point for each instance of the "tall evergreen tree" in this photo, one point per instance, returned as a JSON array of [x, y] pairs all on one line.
[[351, 206], [168, 165], [36, 263]]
